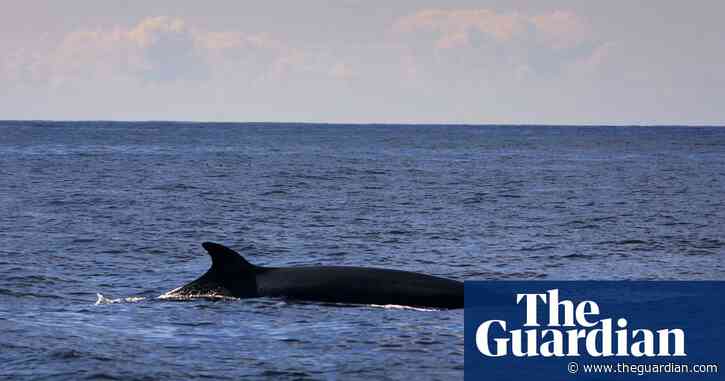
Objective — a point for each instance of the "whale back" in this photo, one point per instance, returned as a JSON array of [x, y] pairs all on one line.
[[230, 275]]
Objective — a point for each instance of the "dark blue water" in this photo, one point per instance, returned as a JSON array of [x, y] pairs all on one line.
[[121, 209]]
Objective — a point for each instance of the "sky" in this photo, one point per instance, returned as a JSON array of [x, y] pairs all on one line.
[[349, 61]]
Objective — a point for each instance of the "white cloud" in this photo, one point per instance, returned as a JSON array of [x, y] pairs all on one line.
[[512, 43], [533, 63], [453, 27], [157, 49], [477, 43], [562, 29], [341, 70], [457, 27]]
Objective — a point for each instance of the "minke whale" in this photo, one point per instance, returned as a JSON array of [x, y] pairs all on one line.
[[230, 275]]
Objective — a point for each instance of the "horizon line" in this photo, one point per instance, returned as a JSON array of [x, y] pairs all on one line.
[[304, 123]]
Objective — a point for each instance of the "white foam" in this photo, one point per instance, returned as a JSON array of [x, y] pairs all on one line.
[[171, 295], [168, 294], [104, 300], [399, 307]]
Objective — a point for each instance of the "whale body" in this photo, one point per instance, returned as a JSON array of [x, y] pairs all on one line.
[[230, 275]]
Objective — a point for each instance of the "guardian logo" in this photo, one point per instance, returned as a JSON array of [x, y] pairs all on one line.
[[573, 329], [624, 330]]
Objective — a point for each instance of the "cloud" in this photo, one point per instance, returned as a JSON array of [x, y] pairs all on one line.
[[426, 44], [485, 41], [341, 70], [168, 50], [601, 57], [21, 66], [562, 29], [155, 50], [456, 27]]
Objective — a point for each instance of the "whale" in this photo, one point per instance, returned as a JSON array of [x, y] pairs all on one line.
[[232, 276]]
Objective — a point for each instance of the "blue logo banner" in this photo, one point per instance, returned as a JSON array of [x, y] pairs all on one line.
[[594, 330]]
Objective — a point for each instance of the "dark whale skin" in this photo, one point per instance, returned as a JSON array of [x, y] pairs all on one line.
[[231, 275], [360, 285]]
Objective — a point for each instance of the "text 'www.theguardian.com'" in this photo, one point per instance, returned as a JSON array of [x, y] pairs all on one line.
[[639, 369]]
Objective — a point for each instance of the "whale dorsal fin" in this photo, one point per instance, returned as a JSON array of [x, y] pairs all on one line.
[[225, 259], [229, 275]]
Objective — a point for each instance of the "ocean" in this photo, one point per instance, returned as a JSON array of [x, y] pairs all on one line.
[[97, 219]]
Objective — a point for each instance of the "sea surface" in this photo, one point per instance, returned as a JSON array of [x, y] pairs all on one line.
[[120, 210]]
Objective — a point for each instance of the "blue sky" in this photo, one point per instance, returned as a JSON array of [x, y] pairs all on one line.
[[520, 61]]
